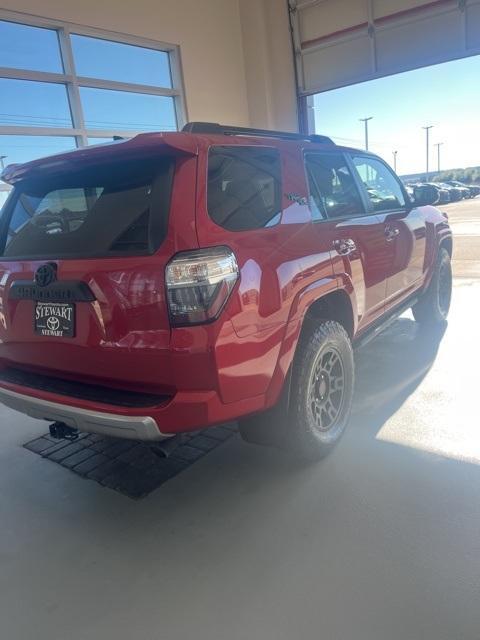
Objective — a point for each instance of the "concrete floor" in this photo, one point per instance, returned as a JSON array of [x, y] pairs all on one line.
[[380, 541]]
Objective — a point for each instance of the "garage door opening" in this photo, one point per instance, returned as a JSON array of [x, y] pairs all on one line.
[[395, 110]]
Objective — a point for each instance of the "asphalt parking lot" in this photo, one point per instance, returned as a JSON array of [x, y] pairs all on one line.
[[380, 541], [464, 218]]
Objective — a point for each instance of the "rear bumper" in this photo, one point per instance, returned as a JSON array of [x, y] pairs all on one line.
[[186, 411], [108, 424]]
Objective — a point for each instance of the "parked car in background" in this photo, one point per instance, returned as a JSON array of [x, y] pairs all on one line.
[[427, 190], [456, 194], [464, 190], [443, 192], [474, 189], [175, 281]]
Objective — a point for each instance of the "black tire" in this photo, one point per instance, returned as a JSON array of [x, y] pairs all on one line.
[[298, 427], [433, 307], [318, 412]]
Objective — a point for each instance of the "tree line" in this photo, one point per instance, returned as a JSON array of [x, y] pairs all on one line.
[[469, 175]]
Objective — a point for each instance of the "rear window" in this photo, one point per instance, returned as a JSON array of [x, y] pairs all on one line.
[[101, 211], [244, 187]]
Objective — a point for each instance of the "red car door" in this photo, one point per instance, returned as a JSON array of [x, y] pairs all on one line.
[[404, 233], [356, 235]]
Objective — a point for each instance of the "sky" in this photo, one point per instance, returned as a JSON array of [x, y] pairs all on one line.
[[446, 96]]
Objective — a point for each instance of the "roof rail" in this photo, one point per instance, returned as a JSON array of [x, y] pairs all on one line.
[[227, 130]]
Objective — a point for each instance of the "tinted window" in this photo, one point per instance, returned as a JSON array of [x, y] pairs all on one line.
[[244, 187], [98, 58], [102, 211], [383, 189], [333, 192]]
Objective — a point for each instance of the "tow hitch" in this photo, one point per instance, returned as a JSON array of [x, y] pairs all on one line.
[[164, 448], [61, 431]]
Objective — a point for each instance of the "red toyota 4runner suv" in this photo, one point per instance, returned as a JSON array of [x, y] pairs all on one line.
[[174, 281]]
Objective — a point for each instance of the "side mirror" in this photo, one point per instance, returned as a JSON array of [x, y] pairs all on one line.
[[425, 194]]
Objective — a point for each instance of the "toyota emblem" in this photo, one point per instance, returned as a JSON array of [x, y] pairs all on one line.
[[53, 323], [46, 274]]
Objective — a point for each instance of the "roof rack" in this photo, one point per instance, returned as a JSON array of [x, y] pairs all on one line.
[[227, 130]]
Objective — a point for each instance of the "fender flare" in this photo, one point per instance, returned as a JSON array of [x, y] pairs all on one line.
[[303, 300], [441, 235]]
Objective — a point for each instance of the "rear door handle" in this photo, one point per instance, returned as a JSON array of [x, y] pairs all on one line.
[[391, 233], [344, 246]]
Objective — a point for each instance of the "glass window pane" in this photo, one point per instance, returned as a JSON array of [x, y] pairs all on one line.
[[97, 58], [383, 188], [244, 187], [4, 191], [93, 141], [333, 192], [18, 149], [92, 211], [34, 104], [32, 48], [123, 110]]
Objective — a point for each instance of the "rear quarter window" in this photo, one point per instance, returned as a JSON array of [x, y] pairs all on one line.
[[244, 187], [96, 212]]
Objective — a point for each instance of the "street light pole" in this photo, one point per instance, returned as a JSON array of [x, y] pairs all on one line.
[[2, 163], [365, 121], [395, 160], [427, 129], [438, 145]]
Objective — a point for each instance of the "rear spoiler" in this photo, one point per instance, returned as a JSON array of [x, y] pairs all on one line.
[[144, 145]]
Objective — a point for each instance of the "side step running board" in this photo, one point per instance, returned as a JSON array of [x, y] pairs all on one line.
[[377, 328]]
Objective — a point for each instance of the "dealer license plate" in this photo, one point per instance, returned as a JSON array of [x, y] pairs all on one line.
[[55, 319]]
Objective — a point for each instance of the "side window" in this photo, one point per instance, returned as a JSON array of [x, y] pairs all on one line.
[[244, 187], [383, 189], [333, 192]]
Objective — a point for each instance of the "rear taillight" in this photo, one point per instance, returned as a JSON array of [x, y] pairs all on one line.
[[199, 284]]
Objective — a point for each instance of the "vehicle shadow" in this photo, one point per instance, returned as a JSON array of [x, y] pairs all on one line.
[[390, 368]]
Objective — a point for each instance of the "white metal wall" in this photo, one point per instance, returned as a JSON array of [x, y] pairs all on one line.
[[341, 42]]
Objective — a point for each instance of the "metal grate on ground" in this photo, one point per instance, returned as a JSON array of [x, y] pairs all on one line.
[[130, 467]]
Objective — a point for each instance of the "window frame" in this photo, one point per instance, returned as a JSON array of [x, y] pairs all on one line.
[[73, 82], [361, 154], [366, 210]]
